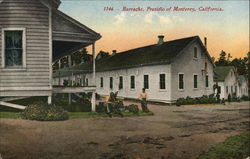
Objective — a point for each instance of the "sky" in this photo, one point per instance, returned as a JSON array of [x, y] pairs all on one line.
[[226, 30]]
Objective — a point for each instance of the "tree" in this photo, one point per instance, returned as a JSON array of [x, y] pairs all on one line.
[[76, 58], [102, 54], [222, 61], [241, 64], [80, 56]]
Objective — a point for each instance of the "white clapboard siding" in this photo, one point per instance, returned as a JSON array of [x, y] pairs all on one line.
[[13, 84], [24, 74], [28, 80], [18, 77], [33, 16]]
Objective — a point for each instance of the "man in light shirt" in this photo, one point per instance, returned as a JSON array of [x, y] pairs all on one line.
[[143, 97]]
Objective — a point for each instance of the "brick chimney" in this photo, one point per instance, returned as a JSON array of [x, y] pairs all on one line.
[[161, 39], [205, 42]]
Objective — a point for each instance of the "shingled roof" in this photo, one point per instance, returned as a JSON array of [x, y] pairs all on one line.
[[148, 55], [222, 72]]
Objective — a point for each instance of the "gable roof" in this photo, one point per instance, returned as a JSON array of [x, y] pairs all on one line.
[[76, 23], [222, 72], [143, 56]]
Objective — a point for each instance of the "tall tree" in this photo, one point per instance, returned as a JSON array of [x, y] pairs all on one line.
[[79, 56], [222, 61], [102, 54]]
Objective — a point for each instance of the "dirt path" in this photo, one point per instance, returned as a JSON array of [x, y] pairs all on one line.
[[172, 133]]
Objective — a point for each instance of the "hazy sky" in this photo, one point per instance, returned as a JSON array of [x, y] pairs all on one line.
[[226, 30]]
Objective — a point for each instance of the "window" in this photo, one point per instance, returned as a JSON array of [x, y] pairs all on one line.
[[195, 52], [111, 82], [132, 82], [101, 82], [195, 81], [219, 89], [87, 82], [181, 81], [120, 82], [235, 89], [13, 48], [232, 89], [145, 83], [205, 66], [162, 81], [207, 82], [227, 89]]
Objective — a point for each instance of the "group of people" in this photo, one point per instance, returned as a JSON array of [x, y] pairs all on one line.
[[111, 101]]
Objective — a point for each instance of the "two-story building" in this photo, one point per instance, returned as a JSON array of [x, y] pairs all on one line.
[[167, 70], [33, 34]]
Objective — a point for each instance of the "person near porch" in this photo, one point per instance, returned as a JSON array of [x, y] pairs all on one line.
[[111, 101], [143, 97]]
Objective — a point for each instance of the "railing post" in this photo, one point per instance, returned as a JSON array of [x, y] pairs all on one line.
[[93, 93], [49, 99], [59, 79]]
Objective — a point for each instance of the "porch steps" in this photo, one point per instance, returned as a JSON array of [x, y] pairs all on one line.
[[7, 99], [12, 105]]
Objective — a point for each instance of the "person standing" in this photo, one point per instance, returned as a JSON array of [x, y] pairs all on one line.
[[143, 97]]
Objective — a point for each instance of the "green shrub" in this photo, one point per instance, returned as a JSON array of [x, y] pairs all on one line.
[[180, 101], [101, 108], [133, 108], [245, 98], [189, 100], [44, 112], [198, 100]]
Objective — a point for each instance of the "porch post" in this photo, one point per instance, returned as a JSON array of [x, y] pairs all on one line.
[[71, 81], [49, 99], [93, 93], [59, 79]]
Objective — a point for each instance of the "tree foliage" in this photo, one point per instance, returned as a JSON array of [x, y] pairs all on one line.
[[102, 54], [241, 64], [77, 57]]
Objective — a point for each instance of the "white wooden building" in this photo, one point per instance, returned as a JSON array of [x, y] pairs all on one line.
[[33, 34], [230, 82], [168, 70], [243, 86]]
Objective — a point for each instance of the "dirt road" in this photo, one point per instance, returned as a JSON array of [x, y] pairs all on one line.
[[172, 133]]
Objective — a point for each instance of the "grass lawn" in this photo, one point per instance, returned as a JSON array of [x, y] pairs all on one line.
[[236, 147], [12, 115], [74, 115]]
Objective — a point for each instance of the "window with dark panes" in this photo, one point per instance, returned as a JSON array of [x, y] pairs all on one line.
[[195, 81], [181, 81], [101, 82], [120, 82], [13, 48], [132, 82], [87, 82], [207, 82], [145, 82], [111, 82], [162, 81]]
